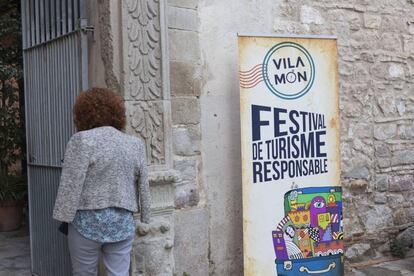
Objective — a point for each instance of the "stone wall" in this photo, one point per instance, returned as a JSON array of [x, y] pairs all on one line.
[[375, 40], [192, 103], [376, 66], [191, 216]]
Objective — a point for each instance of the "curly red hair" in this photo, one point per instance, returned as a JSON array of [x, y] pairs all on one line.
[[99, 107]]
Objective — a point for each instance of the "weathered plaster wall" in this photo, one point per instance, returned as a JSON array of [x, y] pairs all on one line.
[[376, 66], [220, 21]]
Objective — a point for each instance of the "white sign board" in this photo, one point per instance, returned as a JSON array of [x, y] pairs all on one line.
[[292, 204]]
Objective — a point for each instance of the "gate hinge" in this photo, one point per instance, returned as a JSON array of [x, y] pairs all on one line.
[[88, 28]]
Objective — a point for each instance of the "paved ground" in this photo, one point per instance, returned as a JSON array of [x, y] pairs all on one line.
[[15, 253], [15, 259], [384, 267]]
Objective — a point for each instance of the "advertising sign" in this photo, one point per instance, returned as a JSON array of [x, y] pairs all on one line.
[[292, 198]]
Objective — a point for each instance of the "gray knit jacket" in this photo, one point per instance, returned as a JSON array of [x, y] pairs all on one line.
[[103, 167]]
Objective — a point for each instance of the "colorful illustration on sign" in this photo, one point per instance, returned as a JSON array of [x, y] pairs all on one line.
[[310, 230]]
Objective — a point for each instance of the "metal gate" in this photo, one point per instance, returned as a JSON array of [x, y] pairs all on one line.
[[55, 71]]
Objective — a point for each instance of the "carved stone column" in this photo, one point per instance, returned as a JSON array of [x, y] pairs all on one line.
[[145, 89], [131, 37], [152, 252]]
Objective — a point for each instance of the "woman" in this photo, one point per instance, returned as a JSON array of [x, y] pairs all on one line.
[[103, 173]]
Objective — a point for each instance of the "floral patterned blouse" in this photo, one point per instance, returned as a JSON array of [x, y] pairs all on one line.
[[105, 225]]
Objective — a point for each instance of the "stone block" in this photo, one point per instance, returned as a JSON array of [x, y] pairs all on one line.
[[391, 42], [385, 131], [402, 157], [377, 217], [363, 146], [185, 110], [403, 216], [191, 242], [386, 103], [338, 14], [401, 183], [357, 250], [396, 71], [287, 26], [382, 150], [406, 131], [186, 195], [401, 109], [378, 69], [367, 56], [186, 141], [409, 107], [310, 15], [372, 21], [182, 76], [408, 236], [358, 171], [383, 162], [182, 19], [184, 45], [395, 200], [187, 168], [361, 40], [360, 130], [352, 109], [384, 247], [380, 198], [352, 225], [190, 4], [354, 20], [393, 23], [359, 186], [381, 183]]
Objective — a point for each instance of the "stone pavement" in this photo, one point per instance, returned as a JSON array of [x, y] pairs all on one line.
[[387, 267], [15, 259], [15, 253]]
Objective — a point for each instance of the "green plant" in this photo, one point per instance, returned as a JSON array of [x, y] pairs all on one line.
[[12, 134], [399, 248], [12, 190]]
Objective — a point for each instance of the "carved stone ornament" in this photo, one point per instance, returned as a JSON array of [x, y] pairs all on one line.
[[143, 76], [152, 252], [146, 118], [144, 85]]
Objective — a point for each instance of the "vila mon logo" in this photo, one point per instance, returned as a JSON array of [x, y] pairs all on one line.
[[288, 70]]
